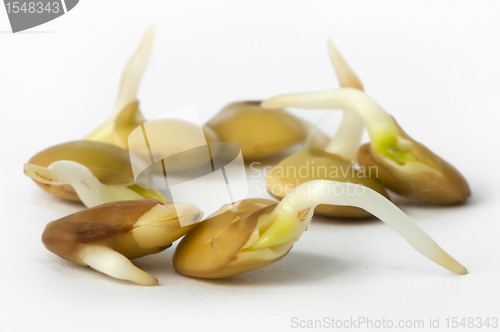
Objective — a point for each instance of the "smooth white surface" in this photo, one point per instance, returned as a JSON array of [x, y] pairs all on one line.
[[433, 65]]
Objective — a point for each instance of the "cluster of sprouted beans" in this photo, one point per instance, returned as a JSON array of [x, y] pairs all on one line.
[[124, 221]]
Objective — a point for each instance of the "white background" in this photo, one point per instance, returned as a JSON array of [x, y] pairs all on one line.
[[434, 66]]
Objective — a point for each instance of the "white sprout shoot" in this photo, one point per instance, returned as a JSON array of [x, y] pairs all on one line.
[[127, 94], [88, 188], [347, 139], [294, 212], [114, 264], [384, 132]]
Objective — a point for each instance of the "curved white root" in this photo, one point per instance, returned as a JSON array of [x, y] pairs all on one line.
[[88, 188], [288, 226], [114, 264], [375, 118]]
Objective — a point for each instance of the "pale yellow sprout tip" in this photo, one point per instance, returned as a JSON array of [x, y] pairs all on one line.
[[149, 35], [346, 76], [269, 103], [332, 49], [453, 265]]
